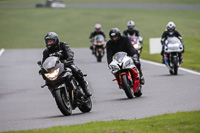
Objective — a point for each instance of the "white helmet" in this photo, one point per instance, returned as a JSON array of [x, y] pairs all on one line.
[[131, 24], [171, 26], [97, 26]]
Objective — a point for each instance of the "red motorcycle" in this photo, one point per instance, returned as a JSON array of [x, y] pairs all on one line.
[[126, 74]]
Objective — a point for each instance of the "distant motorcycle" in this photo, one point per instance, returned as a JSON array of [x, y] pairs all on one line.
[[135, 41], [99, 47], [173, 55], [126, 74], [63, 86], [51, 4]]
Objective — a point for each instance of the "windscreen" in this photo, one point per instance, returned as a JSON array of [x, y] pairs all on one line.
[[50, 63], [119, 56], [173, 40]]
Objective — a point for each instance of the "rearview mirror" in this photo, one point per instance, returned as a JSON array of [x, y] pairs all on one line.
[[39, 63]]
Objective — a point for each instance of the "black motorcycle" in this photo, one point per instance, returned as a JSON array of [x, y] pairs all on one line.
[[63, 86], [99, 47]]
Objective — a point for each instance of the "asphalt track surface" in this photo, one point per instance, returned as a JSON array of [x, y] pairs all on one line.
[[24, 105]]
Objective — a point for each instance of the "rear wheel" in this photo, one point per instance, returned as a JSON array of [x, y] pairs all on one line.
[[127, 87], [63, 102]]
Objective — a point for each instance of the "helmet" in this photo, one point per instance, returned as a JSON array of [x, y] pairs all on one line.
[[51, 36], [171, 27], [97, 27], [130, 25], [114, 32]]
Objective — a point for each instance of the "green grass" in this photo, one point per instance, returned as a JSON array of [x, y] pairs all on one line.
[[180, 122]]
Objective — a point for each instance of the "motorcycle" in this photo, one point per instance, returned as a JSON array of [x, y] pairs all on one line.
[[99, 47], [51, 4], [63, 86], [173, 55], [136, 42], [126, 74]]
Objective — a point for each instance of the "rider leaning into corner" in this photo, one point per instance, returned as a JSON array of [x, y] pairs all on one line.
[[97, 31], [132, 31], [53, 45], [119, 43], [170, 32]]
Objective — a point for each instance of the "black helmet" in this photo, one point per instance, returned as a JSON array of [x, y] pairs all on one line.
[[113, 33], [51, 36]]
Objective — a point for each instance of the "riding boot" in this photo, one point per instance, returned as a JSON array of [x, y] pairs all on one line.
[[84, 86], [92, 48], [163, 61], [141, 78], [162, 54]]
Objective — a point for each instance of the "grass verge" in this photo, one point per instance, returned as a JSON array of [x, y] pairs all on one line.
[[187, 122]]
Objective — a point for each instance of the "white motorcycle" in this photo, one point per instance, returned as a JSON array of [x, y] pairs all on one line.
[[173, 55], [126, 74]]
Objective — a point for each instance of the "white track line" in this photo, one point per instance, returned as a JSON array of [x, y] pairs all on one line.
[[1, 51], [162, 65]]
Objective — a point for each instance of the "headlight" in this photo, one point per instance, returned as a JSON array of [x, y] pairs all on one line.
[[114, 68], [53, 75], [136, 46]]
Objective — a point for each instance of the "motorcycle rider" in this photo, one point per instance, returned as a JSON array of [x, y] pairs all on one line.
[[132, 31], [97, 31], [170, 32], [53, 45], [119, 43]]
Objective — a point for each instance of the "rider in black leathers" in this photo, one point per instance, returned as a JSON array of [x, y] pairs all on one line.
[[170, 32], [119, 43], [53, 45]]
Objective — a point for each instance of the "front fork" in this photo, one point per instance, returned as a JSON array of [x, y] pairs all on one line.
[[119, 79], [168, 61]]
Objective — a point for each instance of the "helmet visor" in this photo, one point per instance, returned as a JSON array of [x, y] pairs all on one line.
[[49, 41], [171, 30]]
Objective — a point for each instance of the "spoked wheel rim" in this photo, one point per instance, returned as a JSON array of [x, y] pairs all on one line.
[[66, 100]]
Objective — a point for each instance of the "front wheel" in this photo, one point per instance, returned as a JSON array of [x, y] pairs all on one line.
[[175, 67], [99, 56], [127, 87], [86, 106], [63, 102]]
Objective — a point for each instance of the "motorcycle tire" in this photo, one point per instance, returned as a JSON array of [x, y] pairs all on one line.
[[99, 57], [127, 87], [63, 102], [87, 106], [175, 68], [171, 72]]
